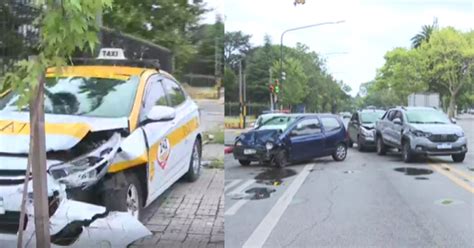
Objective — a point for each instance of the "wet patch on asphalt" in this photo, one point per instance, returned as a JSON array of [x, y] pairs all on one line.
[[422, 178], [471, 169], [274, 176], [256, 193], [413, 171], [448, 202]]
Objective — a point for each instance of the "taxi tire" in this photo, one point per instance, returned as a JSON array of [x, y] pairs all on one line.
[[192, 175], [116, 200]]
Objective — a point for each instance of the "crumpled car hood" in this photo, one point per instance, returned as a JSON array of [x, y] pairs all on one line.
[[62, 131], [259, 137]]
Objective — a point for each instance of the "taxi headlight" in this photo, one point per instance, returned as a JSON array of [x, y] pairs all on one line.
[[269, 145], [87, 169]]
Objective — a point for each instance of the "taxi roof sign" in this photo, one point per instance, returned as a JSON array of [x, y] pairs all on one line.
[[111, 54]]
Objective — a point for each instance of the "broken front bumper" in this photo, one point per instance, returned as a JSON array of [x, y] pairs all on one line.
[[72, 223]]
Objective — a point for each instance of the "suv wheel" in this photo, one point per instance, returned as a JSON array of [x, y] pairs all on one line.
[[340, 153], [406, 153], [381, 149], [458, 158]]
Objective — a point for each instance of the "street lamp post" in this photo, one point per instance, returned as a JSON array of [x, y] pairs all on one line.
[[294, 29]]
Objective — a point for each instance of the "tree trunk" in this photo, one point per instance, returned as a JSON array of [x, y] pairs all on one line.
[[452, 105]]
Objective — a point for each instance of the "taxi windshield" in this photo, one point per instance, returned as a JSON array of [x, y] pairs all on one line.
[[84, 96]]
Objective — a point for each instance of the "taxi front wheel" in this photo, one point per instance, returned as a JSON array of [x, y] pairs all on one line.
[[195, 165], [127, 198]]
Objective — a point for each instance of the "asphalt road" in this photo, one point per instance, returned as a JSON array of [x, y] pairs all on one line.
[[365, 201]]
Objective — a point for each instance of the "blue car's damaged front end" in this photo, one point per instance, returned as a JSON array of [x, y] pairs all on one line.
[[257, 145]]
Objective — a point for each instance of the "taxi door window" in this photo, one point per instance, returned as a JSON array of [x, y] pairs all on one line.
[[174, 91], [154, 95]]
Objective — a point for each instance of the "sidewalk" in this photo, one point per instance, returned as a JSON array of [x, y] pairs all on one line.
[[192, 215]]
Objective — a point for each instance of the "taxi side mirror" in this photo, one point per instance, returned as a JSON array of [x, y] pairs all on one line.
[[161, 113]]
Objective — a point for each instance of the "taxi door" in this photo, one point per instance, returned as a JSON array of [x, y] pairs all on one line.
[[186, 122], [157, 138]]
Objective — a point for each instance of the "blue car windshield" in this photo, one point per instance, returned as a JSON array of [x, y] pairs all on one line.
[[277, 122]]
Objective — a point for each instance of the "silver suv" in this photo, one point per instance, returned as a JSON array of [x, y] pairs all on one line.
[[420, 131]]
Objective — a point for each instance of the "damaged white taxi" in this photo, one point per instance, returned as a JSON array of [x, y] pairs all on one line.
[[116, 136]]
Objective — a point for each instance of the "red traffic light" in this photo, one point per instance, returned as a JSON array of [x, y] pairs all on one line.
[[272, 88]]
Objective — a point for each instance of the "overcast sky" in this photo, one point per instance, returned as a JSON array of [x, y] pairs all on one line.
[[371, 28]]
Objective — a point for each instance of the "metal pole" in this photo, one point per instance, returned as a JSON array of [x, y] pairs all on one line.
[[271, 94], [245, 101], [240, 93], [294, 29]]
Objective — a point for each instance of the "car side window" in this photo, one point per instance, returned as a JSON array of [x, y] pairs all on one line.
[[399, 115], [330, 123], [391, 115], [154, 96], [307, 127], [174, 92], [354, 117]]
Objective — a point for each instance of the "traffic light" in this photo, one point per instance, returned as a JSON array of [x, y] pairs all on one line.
[[299, 2], [272, 88], [277, 87]]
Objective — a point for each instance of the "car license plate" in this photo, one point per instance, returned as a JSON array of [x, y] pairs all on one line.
[[249, 151], [444, 146]]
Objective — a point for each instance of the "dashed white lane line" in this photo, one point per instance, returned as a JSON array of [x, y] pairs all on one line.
[[242, 187], [232, 210], [264, 229], [239, 190], [232, 184]]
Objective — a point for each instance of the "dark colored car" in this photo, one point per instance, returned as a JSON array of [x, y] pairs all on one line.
[[361, 128], [305, 136]]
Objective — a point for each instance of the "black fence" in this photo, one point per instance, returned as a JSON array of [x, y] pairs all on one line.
[[255, 109]]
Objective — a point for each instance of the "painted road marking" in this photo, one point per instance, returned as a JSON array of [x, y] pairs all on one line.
[[452, 177], [241, 188], [232, 210], [232, 184], [463, 174], [264, 229]]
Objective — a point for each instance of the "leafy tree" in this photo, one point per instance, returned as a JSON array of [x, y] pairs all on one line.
[[425, 34], [295, 88], [164, 22], [236, 47], [452, 54], [401, 74], [64, 27]]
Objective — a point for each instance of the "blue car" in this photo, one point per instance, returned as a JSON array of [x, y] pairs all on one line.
[[297, 138]]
